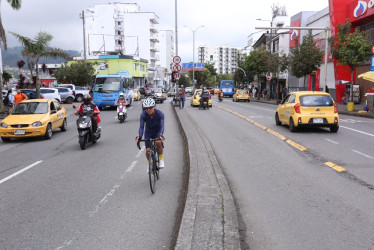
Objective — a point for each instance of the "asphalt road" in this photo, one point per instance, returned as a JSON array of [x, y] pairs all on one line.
[[98, 198], [287, 198]]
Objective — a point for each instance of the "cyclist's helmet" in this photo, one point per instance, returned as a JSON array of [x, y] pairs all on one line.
[[122, 96], [86, 99], [149, 102]]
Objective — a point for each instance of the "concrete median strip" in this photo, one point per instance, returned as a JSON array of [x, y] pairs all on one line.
[[209, 219]]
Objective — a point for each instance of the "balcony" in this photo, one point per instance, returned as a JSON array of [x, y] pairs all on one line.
[[155, 48], [155, 19], [154, 38]]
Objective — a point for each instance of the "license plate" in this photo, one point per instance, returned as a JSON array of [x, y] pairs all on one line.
[[19, 132], [317, 120]]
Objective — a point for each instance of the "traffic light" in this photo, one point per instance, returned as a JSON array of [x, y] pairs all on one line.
[[172, 77], [245, 80]]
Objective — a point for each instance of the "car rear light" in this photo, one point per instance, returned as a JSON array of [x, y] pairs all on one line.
[[299, 120], [237, 95], [73, 93], [194, 97], [336, 120], [210, 97], [297, 108], [335, 108]]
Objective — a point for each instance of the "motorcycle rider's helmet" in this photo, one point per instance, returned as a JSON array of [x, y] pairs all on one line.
[[122, 96], [149, 102], [87, 99], [204, 88], [181, 86]]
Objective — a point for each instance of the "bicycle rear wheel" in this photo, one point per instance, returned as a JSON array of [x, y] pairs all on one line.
[[152, 175]]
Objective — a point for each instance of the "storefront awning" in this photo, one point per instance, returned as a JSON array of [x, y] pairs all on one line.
[[367, 76]]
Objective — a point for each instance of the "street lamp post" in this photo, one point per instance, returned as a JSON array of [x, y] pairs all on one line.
[[84, 34], [193, 55]]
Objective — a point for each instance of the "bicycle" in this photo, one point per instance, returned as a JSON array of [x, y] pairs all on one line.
[[154, 161]]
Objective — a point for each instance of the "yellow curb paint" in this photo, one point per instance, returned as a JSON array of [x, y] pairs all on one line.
[[296, 145], [259, 125], [283, 138], [335, 167]]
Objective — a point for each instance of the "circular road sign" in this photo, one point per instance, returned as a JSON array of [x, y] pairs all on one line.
[[268, 78], [177, 59], [177, 67], [372, 49], [177, 76]]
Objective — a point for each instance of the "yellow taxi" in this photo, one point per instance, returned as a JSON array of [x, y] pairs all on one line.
[[35, 117], [137, 95], [195, 99], [308, 109], [241, 95], [164, 95], [216, 91]]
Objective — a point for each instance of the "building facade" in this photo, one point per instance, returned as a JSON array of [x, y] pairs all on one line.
[[224, 58]]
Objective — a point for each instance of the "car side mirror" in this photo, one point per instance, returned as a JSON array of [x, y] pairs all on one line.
[[53, 112]]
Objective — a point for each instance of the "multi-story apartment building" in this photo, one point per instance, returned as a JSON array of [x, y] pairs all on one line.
[[121, 29], [224, 58], [166, 50]]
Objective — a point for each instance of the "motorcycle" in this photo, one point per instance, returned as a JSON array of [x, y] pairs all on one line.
[[220, 96], [84, 126], [121, 113], [204, 103]]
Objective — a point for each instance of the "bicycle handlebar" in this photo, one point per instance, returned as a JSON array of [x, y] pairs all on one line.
[[151, 140]]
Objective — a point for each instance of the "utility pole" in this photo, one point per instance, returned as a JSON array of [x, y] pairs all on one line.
[[84, 35]]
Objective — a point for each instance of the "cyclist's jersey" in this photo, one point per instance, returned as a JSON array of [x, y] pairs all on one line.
[[153, 126]]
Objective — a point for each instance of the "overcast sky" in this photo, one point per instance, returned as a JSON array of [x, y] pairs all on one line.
[[227, 22]]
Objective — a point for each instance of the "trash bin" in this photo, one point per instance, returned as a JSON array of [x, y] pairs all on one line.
[[370, 102], [350, 106]]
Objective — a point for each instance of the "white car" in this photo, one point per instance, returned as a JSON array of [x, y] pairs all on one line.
[[50, 93]]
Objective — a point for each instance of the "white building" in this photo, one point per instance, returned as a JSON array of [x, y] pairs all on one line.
[[224, 58], [166, 51], [121, 28]]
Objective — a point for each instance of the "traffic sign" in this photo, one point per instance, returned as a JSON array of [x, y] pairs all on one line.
[[269, 75], [177, 67], [177, 59], [268, 78], [372, 63], [177, 76], [372, 49]]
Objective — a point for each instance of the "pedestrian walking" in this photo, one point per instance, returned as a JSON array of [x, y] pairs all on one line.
[[9, 102], [19, 97], [182, 96], [327, 89]]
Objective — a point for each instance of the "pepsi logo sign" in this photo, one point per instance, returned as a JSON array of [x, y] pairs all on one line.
[[294, 34], [361, 8]]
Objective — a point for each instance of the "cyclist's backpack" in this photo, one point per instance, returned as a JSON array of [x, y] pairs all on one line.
[[6, 100]]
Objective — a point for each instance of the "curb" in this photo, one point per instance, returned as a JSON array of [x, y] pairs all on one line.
[[209, 219]]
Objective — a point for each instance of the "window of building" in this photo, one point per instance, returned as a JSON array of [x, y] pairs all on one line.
[[119, 23], [118, 32]]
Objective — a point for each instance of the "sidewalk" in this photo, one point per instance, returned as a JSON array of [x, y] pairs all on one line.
[[358, 109]]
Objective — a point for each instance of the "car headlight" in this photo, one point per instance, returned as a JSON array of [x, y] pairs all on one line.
[[85, 125], [36, 124], [3, 125]]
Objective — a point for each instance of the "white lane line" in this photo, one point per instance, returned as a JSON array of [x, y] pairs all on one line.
[[140, 151], [358, 131], [358, 152], [19, 172], [332, 141], [131, 166]]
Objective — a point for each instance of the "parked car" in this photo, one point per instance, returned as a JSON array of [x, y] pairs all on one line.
[[240, 95], [157, 93], [308, 109], [195, 100], [137, 95], [188, 90], [78, 91], [30, 118], [30, 93], [50, 93], [66, 94], [164, 95]]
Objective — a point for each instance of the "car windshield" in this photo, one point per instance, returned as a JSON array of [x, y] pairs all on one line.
[[158, 91], [107, 84], [316, 100], [226, 83], [243, 92], [27, 108]]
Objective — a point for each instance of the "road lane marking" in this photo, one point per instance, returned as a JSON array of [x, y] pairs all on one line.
[[335, 167], [131, 167], [296, 145], [332, 141], [140, 151], [19, 172], [283, 138], [358, 131], [358, 152]]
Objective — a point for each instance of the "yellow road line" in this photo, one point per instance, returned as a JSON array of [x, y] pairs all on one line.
[[335, 167], [296, 145], [283, 138]]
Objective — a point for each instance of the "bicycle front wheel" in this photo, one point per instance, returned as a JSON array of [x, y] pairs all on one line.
[[152, 176]]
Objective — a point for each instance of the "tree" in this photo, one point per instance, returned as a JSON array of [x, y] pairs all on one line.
[[184, 80], [350, 48], [6, 76], [79, 73], [37, 48], [305, 58], [257, 63]]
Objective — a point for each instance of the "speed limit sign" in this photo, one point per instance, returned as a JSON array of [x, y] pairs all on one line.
[[177, 59]]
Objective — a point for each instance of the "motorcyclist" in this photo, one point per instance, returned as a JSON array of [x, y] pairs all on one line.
[[204, 96], [121, 100], [95, 119], [220, 94]]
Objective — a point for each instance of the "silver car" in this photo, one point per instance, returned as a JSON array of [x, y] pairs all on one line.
[[50, 93], [66, 95]]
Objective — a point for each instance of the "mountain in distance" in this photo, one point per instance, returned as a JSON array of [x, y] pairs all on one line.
[[13, 55]]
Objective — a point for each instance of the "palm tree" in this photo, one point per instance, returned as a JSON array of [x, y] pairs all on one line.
[[37, 48], [16, 4]]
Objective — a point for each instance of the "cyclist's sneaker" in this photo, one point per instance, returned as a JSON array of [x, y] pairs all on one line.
[[148, 168], [162, 164]]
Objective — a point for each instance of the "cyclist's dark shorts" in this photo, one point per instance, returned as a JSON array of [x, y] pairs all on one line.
[[149, 135]]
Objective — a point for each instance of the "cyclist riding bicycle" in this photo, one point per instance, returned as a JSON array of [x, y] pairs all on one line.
[[153, 119]]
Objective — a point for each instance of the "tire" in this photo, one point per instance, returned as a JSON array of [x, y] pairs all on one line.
[[334, 129], [5, 139], [69, 100], [64, 126], [83, 142], [152, 176], [48, 132], [79, 98], [292, 126], [277, 121]]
